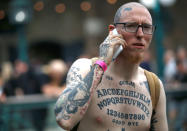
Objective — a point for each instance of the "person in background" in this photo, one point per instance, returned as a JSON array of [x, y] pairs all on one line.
[[57, 70], [6, 73], [25, 80], [180, 81], [12, 83], [181, 55], [170, 65], [175, 76], [2, 96]]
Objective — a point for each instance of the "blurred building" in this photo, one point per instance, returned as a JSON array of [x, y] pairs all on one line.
[[66, 29]]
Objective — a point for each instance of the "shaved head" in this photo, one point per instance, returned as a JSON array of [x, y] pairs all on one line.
[[126, 8]]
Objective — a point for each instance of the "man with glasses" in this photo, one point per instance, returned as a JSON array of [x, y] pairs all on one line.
[[113, 95]]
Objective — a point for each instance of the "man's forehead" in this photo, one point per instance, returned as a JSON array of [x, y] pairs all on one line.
[[131, 7], [129, 10]]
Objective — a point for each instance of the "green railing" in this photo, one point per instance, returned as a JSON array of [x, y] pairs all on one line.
[[12, 118], [14, 112]]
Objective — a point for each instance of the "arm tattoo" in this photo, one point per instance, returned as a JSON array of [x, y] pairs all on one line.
[[104, 48], [153, 121], [77, 94]]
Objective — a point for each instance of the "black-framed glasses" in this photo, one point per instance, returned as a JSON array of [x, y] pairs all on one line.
[[133, 27]]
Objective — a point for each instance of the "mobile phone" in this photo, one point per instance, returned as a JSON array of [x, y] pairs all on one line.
[[119, 49]]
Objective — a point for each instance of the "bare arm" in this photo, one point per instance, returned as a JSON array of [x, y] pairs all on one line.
[[74, 101], [159, 118], [81, 81]]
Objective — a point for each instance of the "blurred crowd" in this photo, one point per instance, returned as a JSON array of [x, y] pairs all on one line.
[[24, 79], [174, 79], [21, 78]]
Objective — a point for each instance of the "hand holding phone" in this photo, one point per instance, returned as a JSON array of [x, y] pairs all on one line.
[[120, 48]]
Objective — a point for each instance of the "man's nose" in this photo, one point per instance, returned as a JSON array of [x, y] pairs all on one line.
[[139, 31]]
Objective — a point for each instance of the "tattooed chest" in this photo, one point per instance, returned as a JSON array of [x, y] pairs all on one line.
[[127, 100], [124, 112], [123, 103]]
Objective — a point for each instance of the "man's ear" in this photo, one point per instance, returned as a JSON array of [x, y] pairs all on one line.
[[111, 27]]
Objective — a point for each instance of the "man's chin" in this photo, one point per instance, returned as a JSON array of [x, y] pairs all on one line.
[[135, 57]]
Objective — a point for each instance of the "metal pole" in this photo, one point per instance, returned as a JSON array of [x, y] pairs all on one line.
[[159, 36], [22, 44]]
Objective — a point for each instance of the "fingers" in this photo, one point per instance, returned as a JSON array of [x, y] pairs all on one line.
[[117, 41], [111, 35], [110, 44]]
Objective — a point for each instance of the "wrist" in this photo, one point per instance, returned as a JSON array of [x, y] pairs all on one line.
[[103, 59], [102, 64]]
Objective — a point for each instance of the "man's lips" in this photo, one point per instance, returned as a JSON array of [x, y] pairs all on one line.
[[138, 45]]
